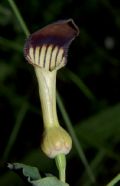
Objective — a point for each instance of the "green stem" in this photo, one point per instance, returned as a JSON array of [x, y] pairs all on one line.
[[76, 80], [19, 17], [61, 165], [74, 137], [15, 130], [114, 181]]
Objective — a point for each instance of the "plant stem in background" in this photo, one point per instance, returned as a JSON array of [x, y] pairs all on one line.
[[15, 130], [86, 91], [19, 17], [74, 137], [114, 181]]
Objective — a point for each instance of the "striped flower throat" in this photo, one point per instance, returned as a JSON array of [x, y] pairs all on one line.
[[48, 47], [49, 57]]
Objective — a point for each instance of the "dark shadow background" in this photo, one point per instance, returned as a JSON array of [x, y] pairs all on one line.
[[93, 57]]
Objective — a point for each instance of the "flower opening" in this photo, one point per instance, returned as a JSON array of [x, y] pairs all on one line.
[[48, 47]]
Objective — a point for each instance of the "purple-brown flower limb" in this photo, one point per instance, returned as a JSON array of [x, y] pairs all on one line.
[[48, 47]]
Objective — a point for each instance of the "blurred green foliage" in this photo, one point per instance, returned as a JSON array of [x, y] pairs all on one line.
[[89, 87]]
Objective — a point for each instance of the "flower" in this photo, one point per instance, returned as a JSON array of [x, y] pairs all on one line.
[[47, 51], [48, 47]]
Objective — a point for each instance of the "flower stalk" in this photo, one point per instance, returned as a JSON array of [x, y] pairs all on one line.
[[61, 165]]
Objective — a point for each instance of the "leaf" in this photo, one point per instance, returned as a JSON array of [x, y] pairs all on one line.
[[32, 176], [49, 181], [35, 158], [101, 129], [28, 172]]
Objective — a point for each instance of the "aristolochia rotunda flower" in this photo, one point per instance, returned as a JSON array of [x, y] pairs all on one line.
[[47, 51]]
